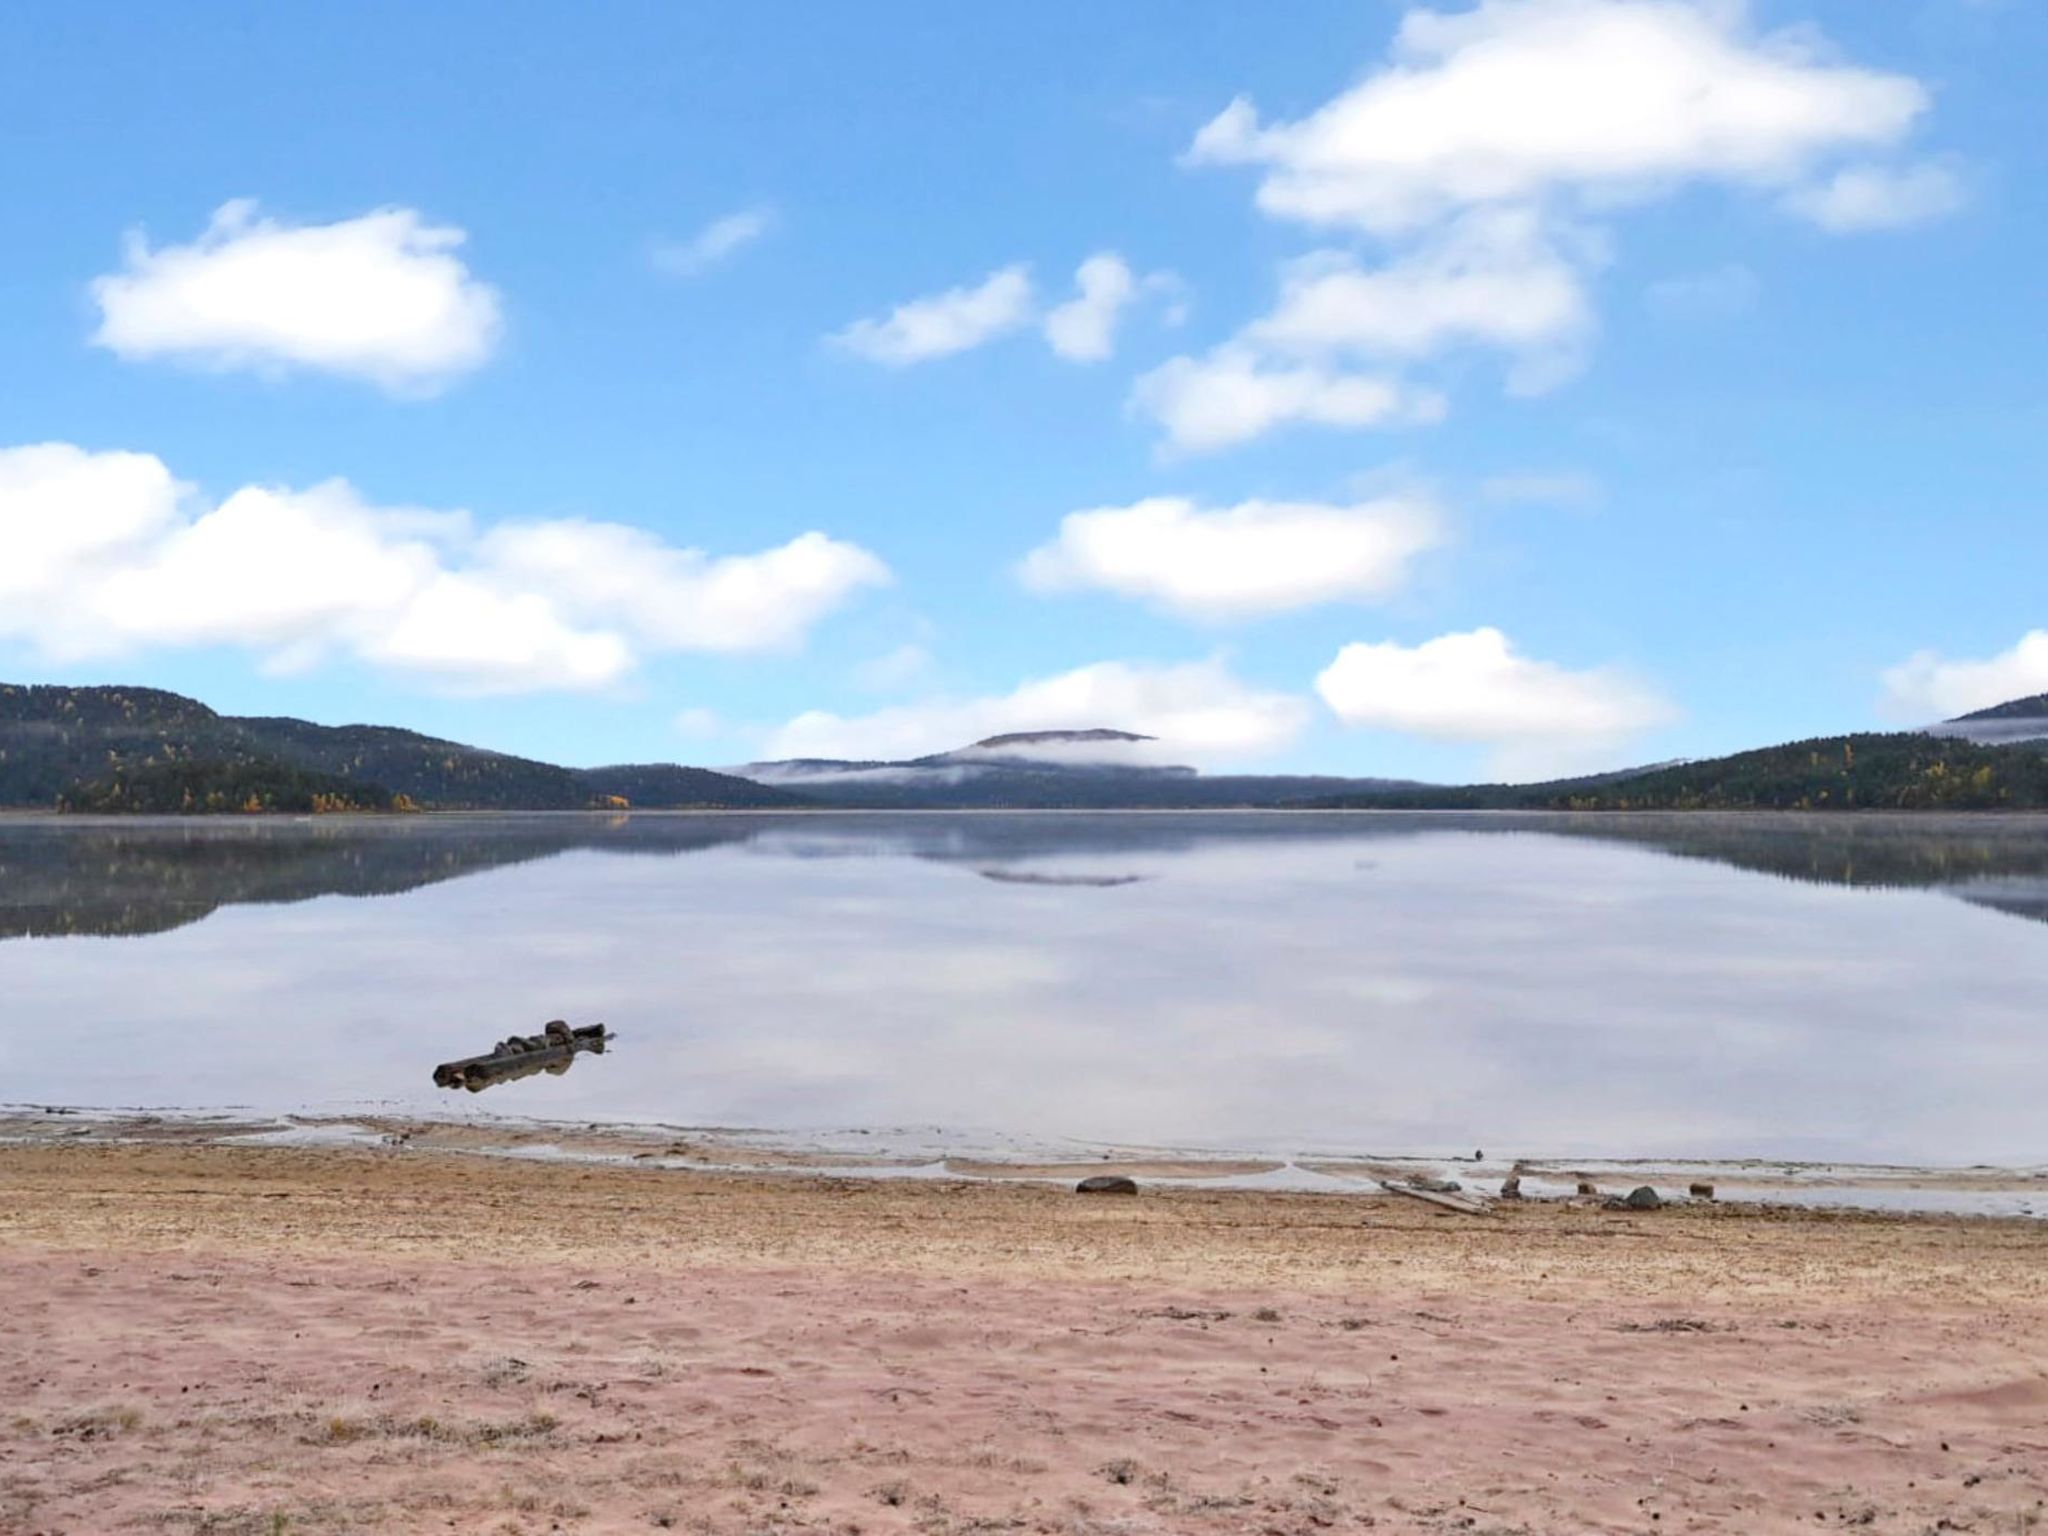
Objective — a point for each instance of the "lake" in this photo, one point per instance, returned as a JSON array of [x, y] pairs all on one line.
[[1865, 988]]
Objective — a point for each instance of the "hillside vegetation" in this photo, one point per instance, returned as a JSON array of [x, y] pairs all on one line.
[[143, 749], [1905, 771]]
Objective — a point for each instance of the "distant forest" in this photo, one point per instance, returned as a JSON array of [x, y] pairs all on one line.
[[1900, 771], [143, 749]]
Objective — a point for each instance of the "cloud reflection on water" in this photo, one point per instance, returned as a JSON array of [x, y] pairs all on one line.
[[1276, 982]]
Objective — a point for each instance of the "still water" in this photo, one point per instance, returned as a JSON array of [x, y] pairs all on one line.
[[1853, 988]]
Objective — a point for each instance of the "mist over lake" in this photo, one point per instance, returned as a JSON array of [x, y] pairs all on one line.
[[1854, 988]]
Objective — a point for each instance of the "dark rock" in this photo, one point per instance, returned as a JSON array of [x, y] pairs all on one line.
[[1511, 1187], [1644, 1198], [1588, 1187], [1106, 1184], [1700, 1191]]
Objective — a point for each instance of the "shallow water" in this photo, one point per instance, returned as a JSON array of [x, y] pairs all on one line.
[[1864, 989]]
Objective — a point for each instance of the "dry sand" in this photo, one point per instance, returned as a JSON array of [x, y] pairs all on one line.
[[227, 1339]]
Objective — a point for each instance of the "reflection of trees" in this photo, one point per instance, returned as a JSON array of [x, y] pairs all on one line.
[[133, 877], [1904, 850]]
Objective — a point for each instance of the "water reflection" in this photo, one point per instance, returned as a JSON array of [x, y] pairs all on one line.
[[1596, 985], [144, 876]]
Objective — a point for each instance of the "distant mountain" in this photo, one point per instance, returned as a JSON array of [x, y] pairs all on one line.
[[2016, 720], [143, 749], [1087, 769], [116, 748], [2033, 707]]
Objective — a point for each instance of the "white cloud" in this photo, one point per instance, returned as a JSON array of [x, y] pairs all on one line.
[[1199, 712], [68, 515], [1928, 686], [1235, 394], [1492, 278], [1539, 717], [1516, 101], [945, 323], [107, 555], [472, 637], [383, 297], [1482, 150], [681, 599], [714, 243], [1259, 557], [1083, 330], [1863, 197]]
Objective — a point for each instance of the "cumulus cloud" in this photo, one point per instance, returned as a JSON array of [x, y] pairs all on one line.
[[383, 297], [716, 242], [1862, 197], [1492, 278], [1083, 330], [1256, 558], [107, 554], [1516, 101], [1236, 394], [1199, 711], [1928, 686], [1481, 155], [680, 599], [1538, 717], [942, 324]]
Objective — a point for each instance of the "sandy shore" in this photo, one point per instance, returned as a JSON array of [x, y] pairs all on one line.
[[230, 1339]]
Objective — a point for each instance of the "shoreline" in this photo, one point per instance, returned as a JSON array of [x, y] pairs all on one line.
[[2017, 1191], [234, 1338]]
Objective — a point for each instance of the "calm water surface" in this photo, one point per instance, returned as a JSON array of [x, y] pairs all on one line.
[[1871, 989]]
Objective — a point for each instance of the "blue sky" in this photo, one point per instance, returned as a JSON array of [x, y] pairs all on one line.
[[1500, 390]]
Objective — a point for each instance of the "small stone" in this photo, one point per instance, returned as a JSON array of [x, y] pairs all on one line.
[[1700, 1191], [1106, 1184], [1644, 1198], [1588, 1187]]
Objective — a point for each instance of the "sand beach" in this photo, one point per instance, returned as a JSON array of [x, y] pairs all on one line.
[[220, 1338]]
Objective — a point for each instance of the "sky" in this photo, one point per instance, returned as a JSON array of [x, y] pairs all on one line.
[[1448, 391]]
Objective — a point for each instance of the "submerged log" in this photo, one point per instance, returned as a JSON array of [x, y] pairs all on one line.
[[552, 1050]]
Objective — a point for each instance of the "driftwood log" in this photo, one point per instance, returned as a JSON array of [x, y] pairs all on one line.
[[1433, 1197], [552, 1050]]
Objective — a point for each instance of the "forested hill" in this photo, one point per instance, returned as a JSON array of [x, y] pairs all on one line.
[[2033, 707], [142, 749], [1904, 770]]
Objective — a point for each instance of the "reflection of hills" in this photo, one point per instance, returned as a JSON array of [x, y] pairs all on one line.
[[1035, 877], [1835, 849], [2015, 895], [136, 877], [143, 877]]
